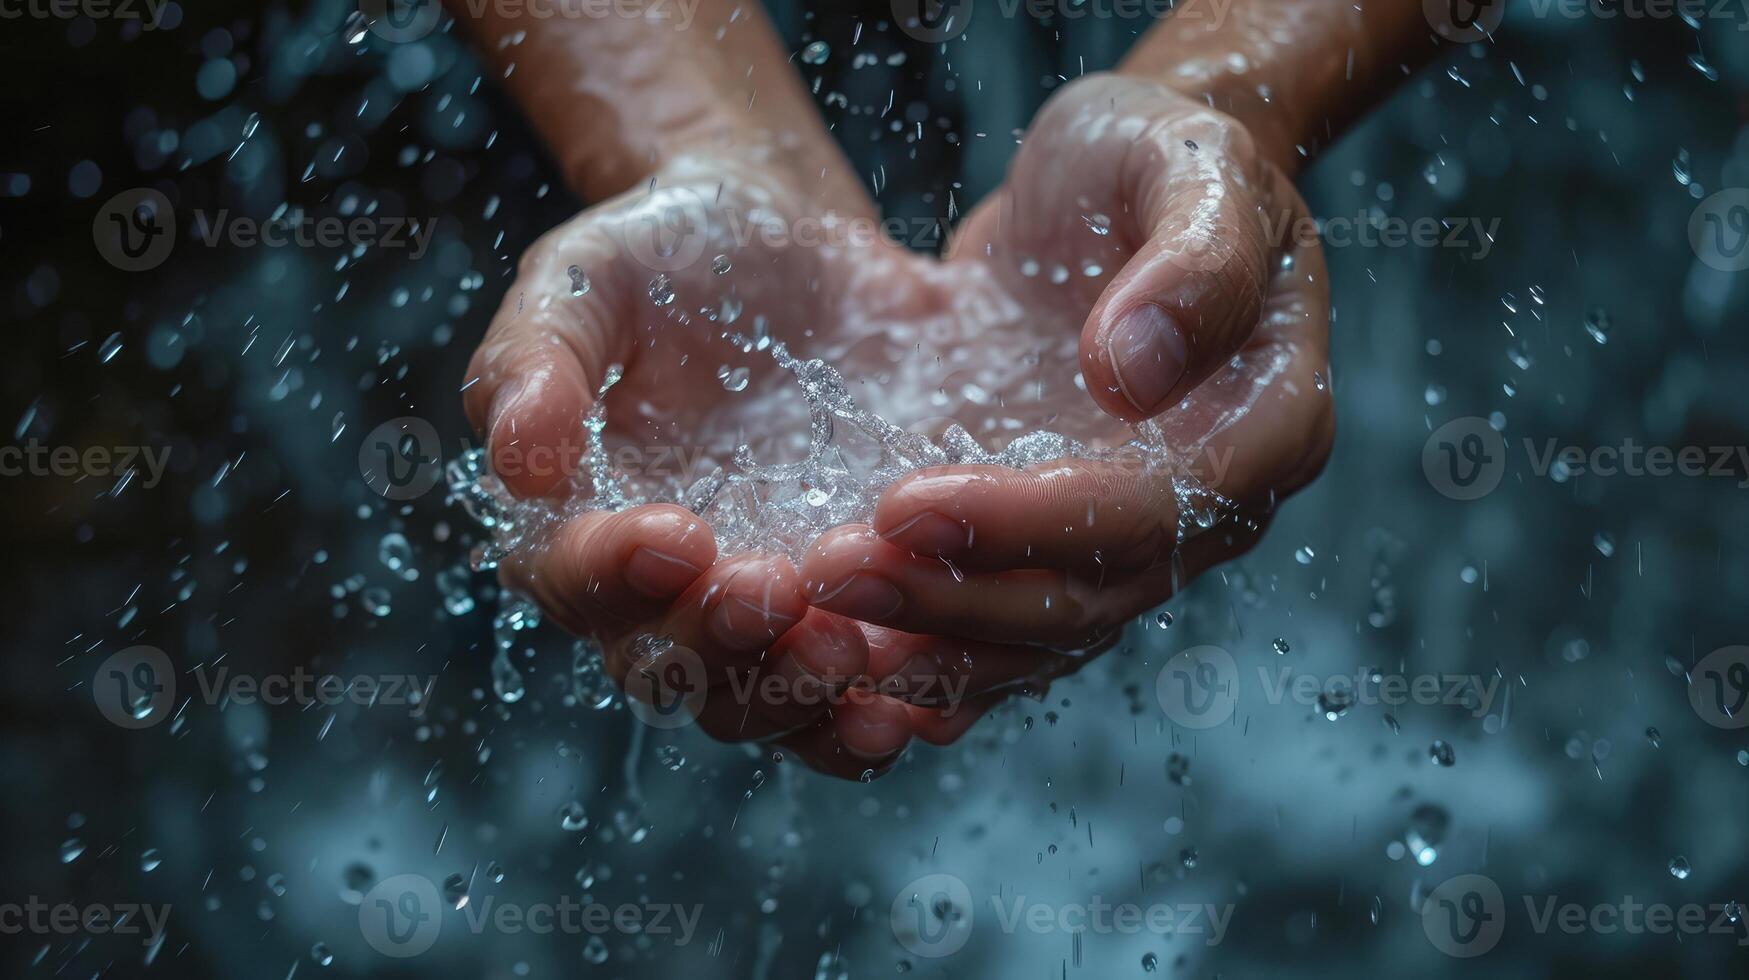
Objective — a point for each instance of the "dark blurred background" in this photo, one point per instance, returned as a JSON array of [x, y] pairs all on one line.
[[1591, 778]]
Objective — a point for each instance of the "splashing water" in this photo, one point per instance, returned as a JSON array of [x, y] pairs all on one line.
[[853, 455]]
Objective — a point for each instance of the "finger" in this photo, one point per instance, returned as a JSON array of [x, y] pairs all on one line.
[[730, 617], [546, 354], [602, 569], [861, 739], [941, 726], [807, 674], [937, 671], [852, 572], [1188, 298]]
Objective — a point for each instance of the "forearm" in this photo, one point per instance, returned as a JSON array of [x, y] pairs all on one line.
[[615, 97], [1294, 71]]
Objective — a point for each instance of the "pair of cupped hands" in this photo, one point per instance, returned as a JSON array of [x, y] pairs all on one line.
[[1123, 272]]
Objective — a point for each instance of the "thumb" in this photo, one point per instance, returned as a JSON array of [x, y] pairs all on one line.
[[545, 355], [1192, 294]]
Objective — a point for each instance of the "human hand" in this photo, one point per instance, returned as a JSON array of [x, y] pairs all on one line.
[[1194, 303]]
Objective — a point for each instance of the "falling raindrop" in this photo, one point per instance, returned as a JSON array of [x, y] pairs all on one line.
[[572, 817], [455, 891], [670, 757], [1679, 868], [661, 290], [149, 860], [322, 954], [1163, 619], [733, 379], [1442, 753], [595, 950], [720, 265], [1280, 646], [816, 53], [1597, 325]]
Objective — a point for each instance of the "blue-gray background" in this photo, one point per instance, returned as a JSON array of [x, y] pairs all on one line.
[[1591, 140]]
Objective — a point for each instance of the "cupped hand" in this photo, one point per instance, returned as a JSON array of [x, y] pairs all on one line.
[[1142, 240]]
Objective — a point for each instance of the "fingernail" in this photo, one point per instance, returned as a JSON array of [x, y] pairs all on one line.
[[502, 400], [1148, 354], [931, 535], [659, 575], [864, 596]]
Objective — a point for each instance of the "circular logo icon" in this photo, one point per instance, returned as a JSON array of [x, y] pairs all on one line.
[[932, 21], [399, 459], [1718, 688], [1464, 459], [1465, 916], [1718, 230], [667, 229], [135, 688], [932, 916], [401, 916], [401, 20], [1464, 21], [1198, 688], [135, 230], [666, 686]]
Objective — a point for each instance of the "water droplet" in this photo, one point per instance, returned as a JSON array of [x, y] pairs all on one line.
[[1597, 325], [1150, 962], [1655, 737], [1679, 868], [71, 848], [1280, 646], [1187, 857], [149, 860], [110, 348], [816, 53], [495, 871], [572, 817], [1699, 63], [733, 379], [396, 554], [1605, 543], [1333, 704], [670, 757], [376, 601], [720, 265], [322, 954], [579, 281], [1099, 224], [1304, 554], [455, 891], [1427, 827], [1163, 619], [1442, 753], [661, 290], [595, 950]]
